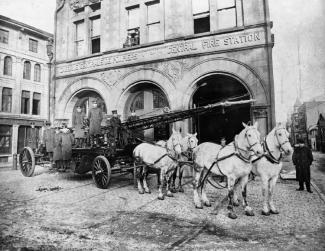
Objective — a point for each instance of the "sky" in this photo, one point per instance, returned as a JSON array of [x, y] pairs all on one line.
[[297, 24]]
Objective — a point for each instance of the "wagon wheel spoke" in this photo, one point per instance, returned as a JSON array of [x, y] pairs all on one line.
[[101, 171]]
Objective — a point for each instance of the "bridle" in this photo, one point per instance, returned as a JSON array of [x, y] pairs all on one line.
[[189, 143], [247, 138], [277, 138]]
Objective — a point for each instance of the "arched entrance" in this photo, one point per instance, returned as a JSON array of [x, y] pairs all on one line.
[[85, 99], [147, 100], [228, 121]]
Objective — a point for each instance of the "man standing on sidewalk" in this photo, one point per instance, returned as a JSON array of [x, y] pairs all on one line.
[[302, 159]]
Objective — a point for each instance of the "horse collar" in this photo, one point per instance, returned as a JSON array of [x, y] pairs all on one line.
[[238, 153], [269, 155]]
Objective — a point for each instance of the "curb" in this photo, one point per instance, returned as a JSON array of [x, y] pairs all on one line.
[[321, 195]]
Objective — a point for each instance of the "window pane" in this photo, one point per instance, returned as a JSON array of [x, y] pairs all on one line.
[[95, 45], [80, 31], [80, 48], [200, 6], [227, 18], [6, 99], [138, 102], [159, 99], [7, 69], [36, 96], [33, 45], [153, 13], [95, 29], [25, 94], [133, 18], [27, 68], [225, 4], [201, 25], [4, 35], [37, 73], [154, 32], [5, 139]]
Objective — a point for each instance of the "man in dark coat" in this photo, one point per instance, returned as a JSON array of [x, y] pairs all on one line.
[[57, 151], [95, 118], [48, 139], [115, 124], [302, 158], [134, 133], [67, 141], [33, 137], [77, 123]]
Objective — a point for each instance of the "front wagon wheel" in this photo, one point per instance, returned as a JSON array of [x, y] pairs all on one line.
[[101, 172], [27, 162]]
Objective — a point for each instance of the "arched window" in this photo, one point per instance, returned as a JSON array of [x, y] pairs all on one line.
[[159, 99], [27, 69], [6, 99], [7, 68], [37, 73], [138, 102]]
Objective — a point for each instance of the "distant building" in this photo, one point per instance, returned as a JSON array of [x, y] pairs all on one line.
[[144, 55], [320, 138], [24, 83]]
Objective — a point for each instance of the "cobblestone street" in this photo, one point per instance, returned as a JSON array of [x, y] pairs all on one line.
[[62, 211]]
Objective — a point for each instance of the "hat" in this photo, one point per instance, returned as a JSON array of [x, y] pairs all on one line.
[[223, 138], [114, 111], [95, 101], [78, 106]]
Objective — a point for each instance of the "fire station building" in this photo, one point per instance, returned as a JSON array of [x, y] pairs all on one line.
[[145, 55]]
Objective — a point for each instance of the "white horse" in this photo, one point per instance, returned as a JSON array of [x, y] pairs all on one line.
[[269, 165], [161, 158], [232, 161]]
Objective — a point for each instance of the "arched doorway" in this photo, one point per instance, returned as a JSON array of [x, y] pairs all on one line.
[[85, 99], [148, 100], [225, 122]]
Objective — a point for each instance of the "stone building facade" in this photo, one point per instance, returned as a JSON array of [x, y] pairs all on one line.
[[24, 83], [148, 54]]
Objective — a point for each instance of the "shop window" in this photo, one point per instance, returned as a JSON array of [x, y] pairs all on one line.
[[25, 96], [95, 35], [80, 38], [133, 32], [33, 44], [27, 69], [6, 99], [5, 139], [37, 73], [227, 17], [4, 36], [138, 102], [7, 67], [159, 100], [153, 22], [201, 16], [36, 103]]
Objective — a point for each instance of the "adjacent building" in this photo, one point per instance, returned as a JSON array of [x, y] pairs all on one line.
[[145, 55], [24, 83]]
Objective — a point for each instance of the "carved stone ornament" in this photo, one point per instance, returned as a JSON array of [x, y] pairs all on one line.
[[174, 69], [77, 4], [110, 77]]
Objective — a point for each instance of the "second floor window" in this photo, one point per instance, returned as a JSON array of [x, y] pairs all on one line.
[[227, 16], [7, 67], [6, 99], [25, 99], [153, 22], [27, 69], [36, 103], [37, 73], [201, 16], [95, 35], [33, 45], [80, 38], [133, 33], [4, 36]]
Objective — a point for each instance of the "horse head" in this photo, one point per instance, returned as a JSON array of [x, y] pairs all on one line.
[[281, 139], [190, 141], [250, 138], [174, 142]]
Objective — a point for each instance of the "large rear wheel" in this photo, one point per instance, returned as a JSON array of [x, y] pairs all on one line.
[[27, 162], [101, 172]]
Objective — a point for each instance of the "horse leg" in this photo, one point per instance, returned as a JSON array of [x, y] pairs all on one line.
[[231, 183], [168, 185], [180, 176], [265, 187], [162, 181], [140, 176], [272, 183], [248, 209], [173, 179], [204, 196], [196, 183], [236, 187], [145, 185]]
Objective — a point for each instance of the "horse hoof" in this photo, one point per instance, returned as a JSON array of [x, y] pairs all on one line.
[[141, 192], [181, 190], [232, 216], [173, 190], [236, 204], [249, 213], [266, 213], [207, 204], [198, 206], [148, 191], [169, 194], [161, 197], [274, 211]]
